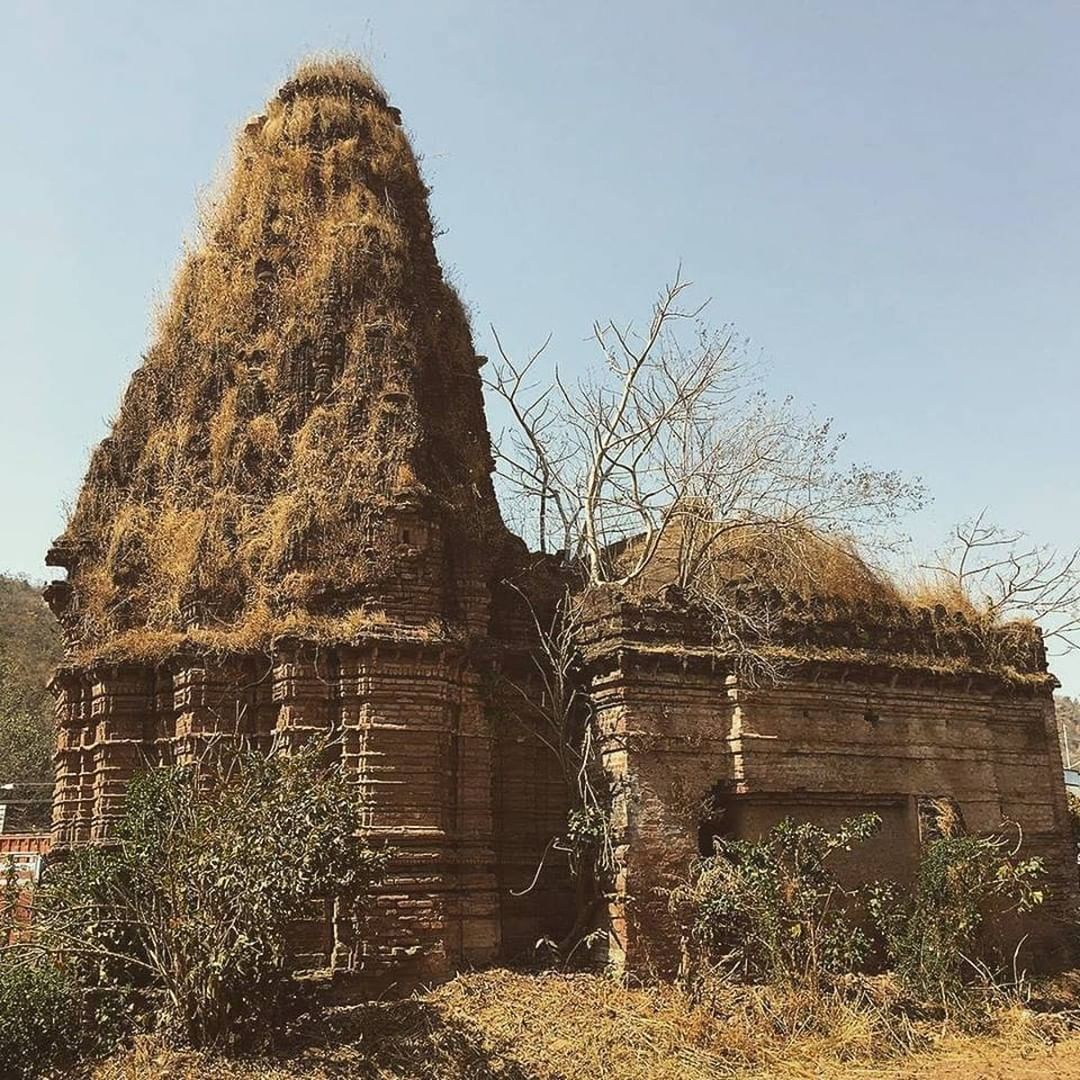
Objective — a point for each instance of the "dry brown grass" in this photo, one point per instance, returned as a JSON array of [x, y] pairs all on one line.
[[583, 1027], [341, 68], [309, 357], [805, 563], [930, 591], [789, 557], [798, 562], [789, 582]]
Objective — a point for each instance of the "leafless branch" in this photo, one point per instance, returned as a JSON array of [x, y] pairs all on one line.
[[667, 437], [1004, 575]]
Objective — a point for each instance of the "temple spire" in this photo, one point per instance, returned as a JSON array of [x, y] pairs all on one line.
[[304, 447]]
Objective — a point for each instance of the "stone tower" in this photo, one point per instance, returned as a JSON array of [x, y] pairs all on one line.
[[291, 527]]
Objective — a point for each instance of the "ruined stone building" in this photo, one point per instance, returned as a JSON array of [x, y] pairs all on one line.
[[880, 708], [291, 529]]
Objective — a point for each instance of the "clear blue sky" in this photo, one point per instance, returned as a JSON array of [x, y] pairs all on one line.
[[883, 196]]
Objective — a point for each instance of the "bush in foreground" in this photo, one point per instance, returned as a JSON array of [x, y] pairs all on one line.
[[188, 915], [932, 933], [773, 909]]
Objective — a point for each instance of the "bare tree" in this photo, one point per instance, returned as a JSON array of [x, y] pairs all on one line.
[[665, 465], [1004, 575], [669, 430]]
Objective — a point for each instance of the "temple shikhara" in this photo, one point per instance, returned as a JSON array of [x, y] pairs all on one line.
[[291, 529]]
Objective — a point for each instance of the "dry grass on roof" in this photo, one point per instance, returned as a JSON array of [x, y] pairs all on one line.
[[343, 68], [805, 563], [933, 591], [790, 558], [796, 561], [257, 632], [310, 356]]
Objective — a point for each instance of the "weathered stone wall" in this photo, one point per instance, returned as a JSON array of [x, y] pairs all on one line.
[[664, 743], [434, 763], [530, 802], [453, 775], [691, 752]]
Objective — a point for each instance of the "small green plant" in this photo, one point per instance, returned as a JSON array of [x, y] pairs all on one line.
[[1074, 817], [932, 932], [41, 1019], [189, 912], [773, 909]]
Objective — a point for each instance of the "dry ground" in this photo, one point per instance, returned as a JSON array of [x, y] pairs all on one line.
[[510, 1026]]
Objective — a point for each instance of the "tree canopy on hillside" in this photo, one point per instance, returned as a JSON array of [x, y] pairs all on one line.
[[30, 647]]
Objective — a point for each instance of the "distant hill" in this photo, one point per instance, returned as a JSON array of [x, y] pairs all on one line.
[[30, 647], [1068, 717]]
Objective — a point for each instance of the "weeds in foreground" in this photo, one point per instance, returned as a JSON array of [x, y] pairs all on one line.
[[932, 932], [773, 910], [183, 923], [515, 1026]]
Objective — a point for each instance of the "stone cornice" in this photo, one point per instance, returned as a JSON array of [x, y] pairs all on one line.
[[818, 639]]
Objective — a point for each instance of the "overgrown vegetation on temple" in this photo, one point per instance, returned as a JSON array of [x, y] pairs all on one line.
[[312, 377]]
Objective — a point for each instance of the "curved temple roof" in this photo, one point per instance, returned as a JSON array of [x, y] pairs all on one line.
[[308, 424]]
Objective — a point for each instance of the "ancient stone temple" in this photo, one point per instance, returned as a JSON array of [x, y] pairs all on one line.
[[291, 530], [908, 714]]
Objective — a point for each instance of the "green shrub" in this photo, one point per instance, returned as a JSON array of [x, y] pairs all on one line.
[[932, 932], [41, 1019], [774, 909], [191, 909]]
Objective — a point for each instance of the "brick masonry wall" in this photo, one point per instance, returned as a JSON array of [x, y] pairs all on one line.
[[535, 894], [434, 761], [454, 777], [683, 741]]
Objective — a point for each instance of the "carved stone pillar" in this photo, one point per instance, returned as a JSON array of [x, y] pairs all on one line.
[[67, 687], [121, 709], [208, 705], [414, 730], [304, 695]]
